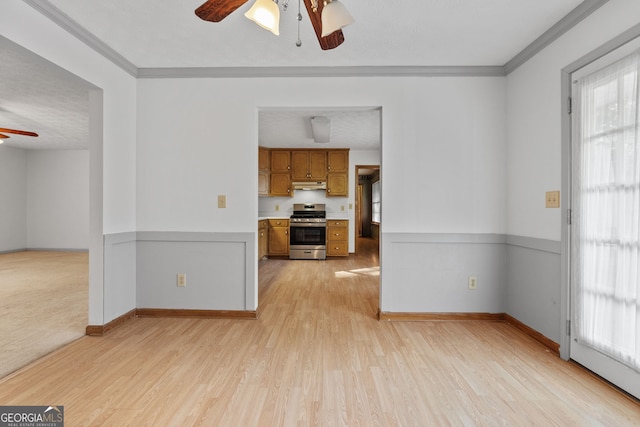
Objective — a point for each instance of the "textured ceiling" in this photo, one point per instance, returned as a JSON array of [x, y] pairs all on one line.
[[358, 129], [38, 96]]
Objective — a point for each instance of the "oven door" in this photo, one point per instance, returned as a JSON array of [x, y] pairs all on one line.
[[307, 241]]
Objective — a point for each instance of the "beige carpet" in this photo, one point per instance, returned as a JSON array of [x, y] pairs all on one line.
[[43, 304]]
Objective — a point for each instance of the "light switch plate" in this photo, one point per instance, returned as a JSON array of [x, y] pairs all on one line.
[[222, 201], [552, 199]]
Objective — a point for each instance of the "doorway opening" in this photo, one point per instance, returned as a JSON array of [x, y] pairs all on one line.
[[355, 128], [367, 204]]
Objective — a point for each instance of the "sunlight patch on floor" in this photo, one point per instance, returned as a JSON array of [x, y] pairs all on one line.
[[367, 271]]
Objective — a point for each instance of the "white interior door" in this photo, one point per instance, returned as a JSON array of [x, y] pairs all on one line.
[[605, 230]]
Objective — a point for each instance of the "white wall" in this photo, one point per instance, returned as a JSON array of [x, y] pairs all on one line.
[[58, 199], [443, 153], [27, 27], [536, 294], [534, 119], [443, 149], [13, 199]]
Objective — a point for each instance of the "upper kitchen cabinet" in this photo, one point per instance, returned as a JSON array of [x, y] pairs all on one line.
[[309, 165], [263, 159], [281, 161], [280, 185], [337, 184], [280, 173], [263, 171], [338, 160], [338, 173], [279, 167]]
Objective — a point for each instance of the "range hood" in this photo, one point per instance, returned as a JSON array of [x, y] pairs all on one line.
[[309, 185]]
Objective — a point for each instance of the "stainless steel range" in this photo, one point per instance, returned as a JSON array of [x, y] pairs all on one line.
[[308, 231]]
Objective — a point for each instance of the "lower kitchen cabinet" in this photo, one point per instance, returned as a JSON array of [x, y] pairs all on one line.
[[337, 237], [278, 237], [263, 238]]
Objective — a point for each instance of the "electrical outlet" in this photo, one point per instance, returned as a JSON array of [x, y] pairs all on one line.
[[473, 282], [342, 208], [277, 208], [552, 199], [182, 280]]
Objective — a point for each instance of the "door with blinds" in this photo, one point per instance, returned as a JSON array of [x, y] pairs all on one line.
[[605, 227]]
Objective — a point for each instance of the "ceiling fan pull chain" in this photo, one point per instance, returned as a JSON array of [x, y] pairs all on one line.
[[299, 42]]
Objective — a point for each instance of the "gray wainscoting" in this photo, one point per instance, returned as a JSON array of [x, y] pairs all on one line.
[[533, 275], [220, 270], [119, 289], [429, 273], [420, 273]]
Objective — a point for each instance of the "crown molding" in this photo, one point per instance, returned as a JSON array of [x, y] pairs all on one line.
[[582, 11], [573, 18], [364, 71], [72, 27]]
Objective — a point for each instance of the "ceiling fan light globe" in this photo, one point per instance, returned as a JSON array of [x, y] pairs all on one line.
[[334, 17], [266, 14]]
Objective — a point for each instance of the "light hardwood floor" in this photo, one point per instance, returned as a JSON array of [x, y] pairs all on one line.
[[316, 356], [43, 304]]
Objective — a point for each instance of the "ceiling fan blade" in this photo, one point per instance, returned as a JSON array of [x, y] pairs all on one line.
[[217, 10], [18, 132], [331, 41], [3, 136]]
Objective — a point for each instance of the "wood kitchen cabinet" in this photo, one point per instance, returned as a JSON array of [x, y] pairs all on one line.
[[278, 168], [263, 238], [280, 161], [280, 173], [337, 173], [280, 184], [308, 165], [263, 159], [337, 237], [337, 184], [338, 161], [278, 237], [263, 171]]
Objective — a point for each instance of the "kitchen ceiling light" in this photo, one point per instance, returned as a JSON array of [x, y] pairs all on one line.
[[321, 129], [334, 17], [266, 14]]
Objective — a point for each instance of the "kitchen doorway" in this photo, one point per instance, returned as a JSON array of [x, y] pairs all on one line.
[[355, 128], [367, 204]]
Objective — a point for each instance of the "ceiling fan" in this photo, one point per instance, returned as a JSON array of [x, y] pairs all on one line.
[[217, 10], [5, 131]]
